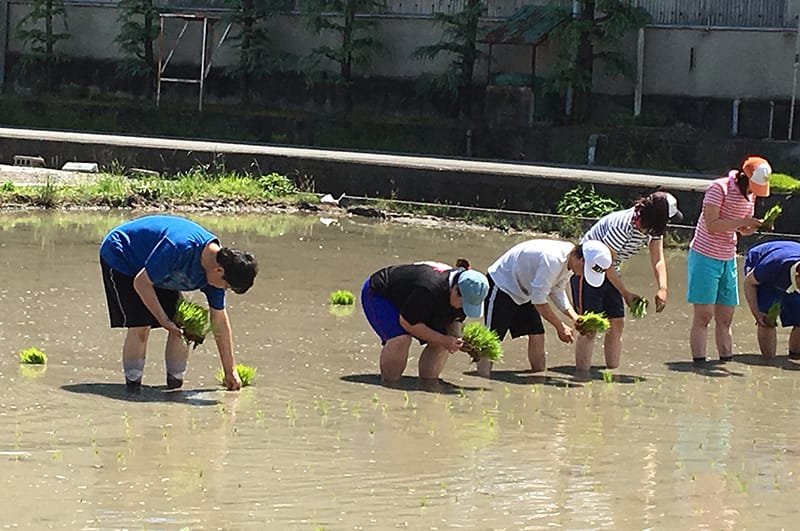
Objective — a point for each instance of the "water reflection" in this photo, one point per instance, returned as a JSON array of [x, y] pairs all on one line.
[[318, 443]]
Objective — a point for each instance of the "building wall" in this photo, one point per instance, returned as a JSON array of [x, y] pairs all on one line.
[[728, 63]]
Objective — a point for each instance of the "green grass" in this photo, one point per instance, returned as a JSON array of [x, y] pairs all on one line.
[[342, 297], [32, 356], [247, 374], [193, 320], [592, 323], [780, 182], [481, 343], [194, 186], [639, 307]]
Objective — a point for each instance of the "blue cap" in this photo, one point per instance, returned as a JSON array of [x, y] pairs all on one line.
[[473, 287]]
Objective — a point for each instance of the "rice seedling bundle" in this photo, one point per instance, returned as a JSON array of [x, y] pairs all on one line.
[[772, 314], [342, 297], [32, 356], [193, 320], [481, 343], [592, 323], [246, 374], [772, 214], [639, 307]]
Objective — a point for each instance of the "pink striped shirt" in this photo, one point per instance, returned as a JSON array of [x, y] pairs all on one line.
[[723, 193]]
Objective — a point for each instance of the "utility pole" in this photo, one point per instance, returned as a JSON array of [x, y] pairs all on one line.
[[3, 41]]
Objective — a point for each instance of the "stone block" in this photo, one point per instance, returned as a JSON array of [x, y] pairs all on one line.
[[28, 161], [85, 167]]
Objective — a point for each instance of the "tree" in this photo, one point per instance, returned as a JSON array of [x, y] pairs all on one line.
[[138, 31], [459, 39], [256, 56], [39, 42], [356, 38], [593, 35]]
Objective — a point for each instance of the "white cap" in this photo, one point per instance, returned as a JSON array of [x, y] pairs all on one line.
[[673, 214], [596, 259]]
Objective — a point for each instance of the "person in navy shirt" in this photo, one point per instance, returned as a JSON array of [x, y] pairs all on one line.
[[419, 301], [146, 264], [771, 275]]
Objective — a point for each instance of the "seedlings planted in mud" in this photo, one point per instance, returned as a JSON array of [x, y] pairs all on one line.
[[342, 297], [246, 374], [772, 314], [193, 320], [772, 214], [592, 323], [32, 356], [639, 307], [481, 343]]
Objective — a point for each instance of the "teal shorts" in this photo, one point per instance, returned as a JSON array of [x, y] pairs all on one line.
[[711, 281]]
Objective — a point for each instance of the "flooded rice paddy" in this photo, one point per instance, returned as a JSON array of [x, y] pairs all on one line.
[[317, 443]]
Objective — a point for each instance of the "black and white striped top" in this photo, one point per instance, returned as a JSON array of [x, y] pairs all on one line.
[[617, 231]]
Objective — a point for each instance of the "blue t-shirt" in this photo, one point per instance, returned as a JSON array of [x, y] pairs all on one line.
[[771, 263], [168, 248]]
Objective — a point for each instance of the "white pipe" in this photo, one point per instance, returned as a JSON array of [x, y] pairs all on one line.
[[592, 154], [637, 93], [794, 78], [771, 118], [735, 117]]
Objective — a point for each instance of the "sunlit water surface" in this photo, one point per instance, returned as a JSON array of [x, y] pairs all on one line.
[[317, 443]]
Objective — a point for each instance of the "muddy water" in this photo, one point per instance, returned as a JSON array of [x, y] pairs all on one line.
[[318, 444]]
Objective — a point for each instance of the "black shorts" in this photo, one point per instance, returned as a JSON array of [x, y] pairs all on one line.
[[606, 299], [504, 315], [125, 307]]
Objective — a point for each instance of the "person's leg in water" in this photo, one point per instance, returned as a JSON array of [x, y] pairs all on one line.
[[134, 352]]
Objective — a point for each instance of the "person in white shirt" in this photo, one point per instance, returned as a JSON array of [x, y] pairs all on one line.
[[523, 279]]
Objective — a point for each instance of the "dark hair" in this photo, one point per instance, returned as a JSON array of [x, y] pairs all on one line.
[[653, 212], [240, 268], [742, 182], [463, 263]]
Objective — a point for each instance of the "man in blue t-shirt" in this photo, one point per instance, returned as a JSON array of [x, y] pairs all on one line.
[[772, 279], [146, 263]]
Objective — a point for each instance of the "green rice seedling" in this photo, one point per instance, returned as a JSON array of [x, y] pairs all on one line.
[[342, 297], [769, 218], [592, 323], [246, 374], [193, 320], [639, 307], [772, 314], [32, 356], [481, 343]]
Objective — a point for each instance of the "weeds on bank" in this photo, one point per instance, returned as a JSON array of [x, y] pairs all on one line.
[[195, 185]]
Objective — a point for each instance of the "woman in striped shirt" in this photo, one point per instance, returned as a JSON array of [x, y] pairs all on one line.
[[625, 232], [712, 287]]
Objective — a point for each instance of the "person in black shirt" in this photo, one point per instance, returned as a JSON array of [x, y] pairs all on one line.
[[416, 300]]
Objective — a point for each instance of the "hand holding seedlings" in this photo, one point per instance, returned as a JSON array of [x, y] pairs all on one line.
[[768, 223], [771, 317], [639, 307], [592, 323], [481, 342]]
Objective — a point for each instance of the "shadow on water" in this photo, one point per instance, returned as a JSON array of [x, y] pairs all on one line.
[[528, 378], [148, 394], [779, 362], [712, 368], [412, 383], [597, 373]]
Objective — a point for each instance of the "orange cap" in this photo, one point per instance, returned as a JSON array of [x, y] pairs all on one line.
[[758, 171]]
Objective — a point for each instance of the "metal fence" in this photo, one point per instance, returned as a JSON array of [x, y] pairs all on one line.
[[698, 13]]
